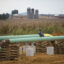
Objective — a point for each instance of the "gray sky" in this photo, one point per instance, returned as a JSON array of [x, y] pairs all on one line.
[[44, 6]]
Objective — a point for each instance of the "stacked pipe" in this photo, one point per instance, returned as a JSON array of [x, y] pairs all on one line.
[[30, 38], [17, 36], [36, 39]]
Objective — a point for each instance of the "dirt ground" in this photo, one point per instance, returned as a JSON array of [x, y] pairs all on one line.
[[39, 58]]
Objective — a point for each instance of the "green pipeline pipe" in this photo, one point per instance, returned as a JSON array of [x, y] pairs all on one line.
[[17, 36], [33, 39]]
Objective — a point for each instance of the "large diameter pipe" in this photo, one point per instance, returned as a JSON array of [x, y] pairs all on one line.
[[18, 36], [33, 39], [21, 36]]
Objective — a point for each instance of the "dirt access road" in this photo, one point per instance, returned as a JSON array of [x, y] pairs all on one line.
[[37, 59]]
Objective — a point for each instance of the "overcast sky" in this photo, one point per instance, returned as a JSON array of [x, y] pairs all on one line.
[[44, 6]]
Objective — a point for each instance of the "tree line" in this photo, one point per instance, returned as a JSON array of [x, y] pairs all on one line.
[[5, 16]]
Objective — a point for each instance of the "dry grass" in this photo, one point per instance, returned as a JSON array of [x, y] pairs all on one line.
[[37, 59], [25, 26]]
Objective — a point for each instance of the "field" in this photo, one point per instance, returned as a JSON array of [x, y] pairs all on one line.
[[17, 26], [27, 26]]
